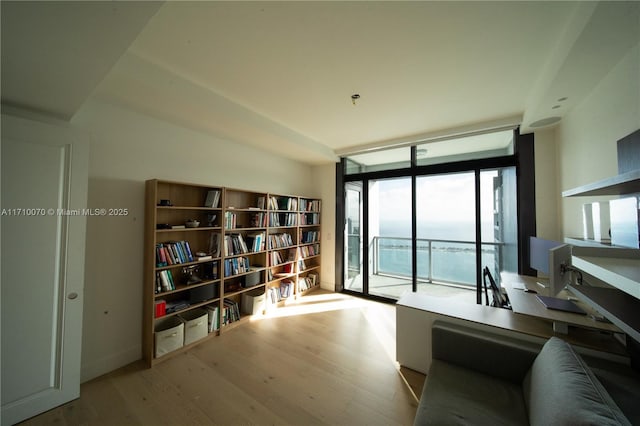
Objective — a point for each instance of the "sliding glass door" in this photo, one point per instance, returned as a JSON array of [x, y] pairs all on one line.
[[353, 250], [464, 221], [446, 229], [390, 237]]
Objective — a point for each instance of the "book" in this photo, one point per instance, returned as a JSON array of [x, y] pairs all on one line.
[[160, 308], [213, 198], [214, 244], [213, 317], [164, 281]]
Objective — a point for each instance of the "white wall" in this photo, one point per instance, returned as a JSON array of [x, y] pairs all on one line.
[[587, 136], [546, 159], [324, 182], [127, 149]]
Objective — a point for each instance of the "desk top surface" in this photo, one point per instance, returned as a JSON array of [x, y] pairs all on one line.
[[507, 320], [528, 304]]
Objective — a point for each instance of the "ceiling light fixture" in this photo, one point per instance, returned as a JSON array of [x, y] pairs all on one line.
[[354, 98], [545, 122]]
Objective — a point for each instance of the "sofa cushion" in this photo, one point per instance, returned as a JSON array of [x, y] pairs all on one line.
[[560, 389], [457, 395]]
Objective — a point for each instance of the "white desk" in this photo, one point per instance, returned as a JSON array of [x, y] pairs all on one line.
[[527, 304], [416, 312]]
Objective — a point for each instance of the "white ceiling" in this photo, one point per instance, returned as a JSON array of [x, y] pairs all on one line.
[[280, 75]]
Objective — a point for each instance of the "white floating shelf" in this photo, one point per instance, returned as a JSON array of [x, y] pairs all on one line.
[[619, 268]]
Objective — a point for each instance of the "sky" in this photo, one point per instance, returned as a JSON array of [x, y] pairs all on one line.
[[446, 205]]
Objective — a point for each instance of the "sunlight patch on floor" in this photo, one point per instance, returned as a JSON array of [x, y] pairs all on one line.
[[312, 303]]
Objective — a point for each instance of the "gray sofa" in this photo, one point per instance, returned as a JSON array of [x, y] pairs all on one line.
[[478, 378]]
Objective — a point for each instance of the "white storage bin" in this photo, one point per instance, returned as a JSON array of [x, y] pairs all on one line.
[[195, 325], [169, 335], [253, 301]]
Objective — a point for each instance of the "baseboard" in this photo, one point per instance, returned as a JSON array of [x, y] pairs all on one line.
[[327, 286], [91, 369]]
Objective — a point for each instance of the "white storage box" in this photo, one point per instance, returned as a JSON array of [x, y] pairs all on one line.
[[169, 335], [253, 301], [195, 325]]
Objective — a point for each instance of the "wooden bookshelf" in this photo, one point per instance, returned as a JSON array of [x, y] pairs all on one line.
[[250, 241]]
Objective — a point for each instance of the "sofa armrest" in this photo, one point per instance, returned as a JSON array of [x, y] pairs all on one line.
[[493, 354]]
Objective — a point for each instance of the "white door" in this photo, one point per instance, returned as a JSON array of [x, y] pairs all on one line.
[[44, 178]]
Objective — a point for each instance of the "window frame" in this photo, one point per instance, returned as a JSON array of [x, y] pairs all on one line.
[[522, 160]]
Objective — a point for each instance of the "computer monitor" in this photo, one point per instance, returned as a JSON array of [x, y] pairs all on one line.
[[546, 257], [539, 254], [559, 275]]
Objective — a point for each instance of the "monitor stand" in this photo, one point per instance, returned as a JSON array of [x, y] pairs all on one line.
[[543, 282]]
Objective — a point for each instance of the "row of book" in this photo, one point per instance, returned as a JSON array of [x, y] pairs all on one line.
[[213, 322], [277, 241], [256, 242], [310, 205], [305, 283], [283, 203], [283, 291], [283, 219], [262, 220], [231, 311], [312, 250], [274, 203], [277, 257], [310, 219], [173, 253], [236, 265], [259, 220], [234, 244], [307, 237], [164, 281], [213, 198], [230, 220], [301, 265]]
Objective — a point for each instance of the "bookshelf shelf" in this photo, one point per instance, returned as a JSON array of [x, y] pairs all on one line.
[[183, 287], [194, 306], [244, 290], [213, 209], [198, 229], [622, 184], [617, 267], [238, 228]]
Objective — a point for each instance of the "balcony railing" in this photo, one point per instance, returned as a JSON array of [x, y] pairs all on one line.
[[439, 260]]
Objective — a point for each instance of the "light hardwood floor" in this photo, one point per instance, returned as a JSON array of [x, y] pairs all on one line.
[[328, 359]]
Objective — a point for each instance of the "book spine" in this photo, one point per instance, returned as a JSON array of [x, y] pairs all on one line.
[[188, 250]]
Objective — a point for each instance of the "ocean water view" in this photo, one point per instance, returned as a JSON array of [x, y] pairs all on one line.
[[452, 260]]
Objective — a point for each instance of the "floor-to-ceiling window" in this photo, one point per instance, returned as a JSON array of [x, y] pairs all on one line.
[[433, 214], [446, 229], [390, 236]]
